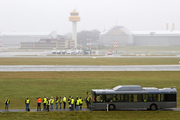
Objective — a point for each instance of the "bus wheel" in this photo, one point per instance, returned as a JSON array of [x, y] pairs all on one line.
[[111, 107], [153, 107]]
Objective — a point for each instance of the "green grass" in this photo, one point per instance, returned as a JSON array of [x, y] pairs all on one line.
[[95, 115], [19, 85], [89, 61]]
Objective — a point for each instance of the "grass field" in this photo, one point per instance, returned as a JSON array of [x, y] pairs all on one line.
[[95, 115], [89, 61], [18, 85]]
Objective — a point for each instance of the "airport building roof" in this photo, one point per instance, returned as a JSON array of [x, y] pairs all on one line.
[[27, 33], [144, 33], [157, 33]]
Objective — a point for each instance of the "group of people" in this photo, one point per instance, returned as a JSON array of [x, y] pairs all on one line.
[[49, 102]]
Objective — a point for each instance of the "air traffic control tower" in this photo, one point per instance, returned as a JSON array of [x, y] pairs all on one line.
[[74, 18]]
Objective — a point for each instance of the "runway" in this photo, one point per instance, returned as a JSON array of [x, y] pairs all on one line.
[[85, 109], [21, 68]]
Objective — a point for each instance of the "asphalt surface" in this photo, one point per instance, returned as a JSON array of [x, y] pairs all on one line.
[[85, 109], [35, 110], [48, 54], [20, 68]]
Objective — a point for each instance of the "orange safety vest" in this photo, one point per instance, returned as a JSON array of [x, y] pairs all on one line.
[[39, 100], [93, 99]]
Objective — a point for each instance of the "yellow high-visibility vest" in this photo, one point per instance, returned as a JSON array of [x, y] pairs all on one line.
[[64, 99], [7, 100], [72, 101], [52, 101], [77, 103], [27, 101], [80, 101], [45, 100]]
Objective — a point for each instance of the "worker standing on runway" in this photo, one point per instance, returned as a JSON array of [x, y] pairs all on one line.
[[7, 102], [60, 102], [75, 101], [44, 103], [69, 102], [27, 102], [87, 102], [56, 101], [48, 104], [52, 102], [39, 104], [77, 104], [64, 101], [80, 103], [72, 103]]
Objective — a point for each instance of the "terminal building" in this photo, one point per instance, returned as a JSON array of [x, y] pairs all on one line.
[[125, 37]]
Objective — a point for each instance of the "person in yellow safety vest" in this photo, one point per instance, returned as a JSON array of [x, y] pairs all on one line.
[[77, 104], [44, 103], [69, 102], [114, 99], [56, 101], [48, 102], [64, 102], [60, 102], [27, 102], [7, 102], [52, 102], [80, 103], [72, 103], [145, 100]]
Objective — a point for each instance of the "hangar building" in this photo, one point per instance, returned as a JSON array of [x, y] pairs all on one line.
[[125, 37]]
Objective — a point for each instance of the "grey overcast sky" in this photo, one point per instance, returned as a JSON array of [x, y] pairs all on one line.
[[50, 15]]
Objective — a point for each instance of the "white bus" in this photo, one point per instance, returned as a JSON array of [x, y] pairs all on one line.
[[133, 96]]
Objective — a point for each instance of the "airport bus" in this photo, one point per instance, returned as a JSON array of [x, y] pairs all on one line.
[[133, 96]]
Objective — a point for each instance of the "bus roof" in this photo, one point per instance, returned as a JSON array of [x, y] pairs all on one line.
[[135, 89]]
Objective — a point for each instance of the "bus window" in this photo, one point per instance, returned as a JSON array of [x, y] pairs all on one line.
[[114, 98], [140, 98], [126, 98], [119, 98], [145, 97], [162, 97], [135, 98], [155, 97], [99, 98], [131, 98], [170, 97], [159, 98], [109, 98], [150, 96]]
